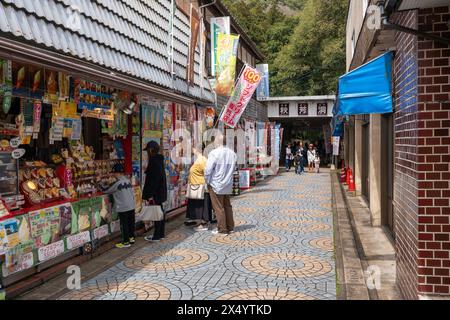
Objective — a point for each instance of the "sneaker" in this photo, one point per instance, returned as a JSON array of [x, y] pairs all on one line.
[[123, 245], [132, 240], [216, 232], [201, 228], [150, 239], [232, 231]]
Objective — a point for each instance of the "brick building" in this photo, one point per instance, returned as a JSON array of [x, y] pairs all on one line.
[[401, 159]]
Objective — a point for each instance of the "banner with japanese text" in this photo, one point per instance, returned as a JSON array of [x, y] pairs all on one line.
[[227, 48], [218, 25], [263, 90], [241, 96]]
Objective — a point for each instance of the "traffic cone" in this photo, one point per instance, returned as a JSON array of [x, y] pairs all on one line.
[[343, 174], [349, 172], [351, 185]]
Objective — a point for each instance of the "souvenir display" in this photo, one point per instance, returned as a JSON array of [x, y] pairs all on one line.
[[39, 183]]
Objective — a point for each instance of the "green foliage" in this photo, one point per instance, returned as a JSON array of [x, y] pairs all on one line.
[[305, 51]]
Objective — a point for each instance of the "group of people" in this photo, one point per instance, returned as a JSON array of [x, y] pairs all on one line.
[[299, 157], [213, 175]]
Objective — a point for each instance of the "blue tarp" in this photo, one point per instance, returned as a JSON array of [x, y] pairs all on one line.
[[367, 89]]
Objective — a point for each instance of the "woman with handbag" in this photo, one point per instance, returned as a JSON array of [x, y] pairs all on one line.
[[199, 203], [154, 193]]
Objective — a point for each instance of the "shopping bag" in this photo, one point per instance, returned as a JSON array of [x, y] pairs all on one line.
[[195, 191], [152, 212]]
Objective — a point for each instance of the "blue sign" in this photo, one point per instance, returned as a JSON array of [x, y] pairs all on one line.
[[263, 90]]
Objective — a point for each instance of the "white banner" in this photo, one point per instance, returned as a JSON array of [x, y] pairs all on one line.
[[336, 141], [101, 232]]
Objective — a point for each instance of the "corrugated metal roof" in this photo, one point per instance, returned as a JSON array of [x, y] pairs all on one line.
[[125, 36]]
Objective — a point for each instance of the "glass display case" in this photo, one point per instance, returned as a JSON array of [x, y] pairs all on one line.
[[9, 172]]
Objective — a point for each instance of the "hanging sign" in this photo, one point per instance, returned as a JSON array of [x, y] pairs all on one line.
[[218, 25], [241, 96], [336, 141], [227, 48], [263, 90]]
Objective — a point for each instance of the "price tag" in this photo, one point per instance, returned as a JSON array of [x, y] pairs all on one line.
[[18, 153], [15, 142]]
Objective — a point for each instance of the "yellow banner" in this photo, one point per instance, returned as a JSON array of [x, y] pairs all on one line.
[[227, 46]]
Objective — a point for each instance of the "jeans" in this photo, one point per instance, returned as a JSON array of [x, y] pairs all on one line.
[[127, 225], [288, 164]]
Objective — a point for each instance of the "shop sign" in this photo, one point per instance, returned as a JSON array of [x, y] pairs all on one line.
[[51, 251], [241, 96], [101, 232], [78, 240], [322, 109], [115, 226], [102, 114], [283, 109], [302, 109]]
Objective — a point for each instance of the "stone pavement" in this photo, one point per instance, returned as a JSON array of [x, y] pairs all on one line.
[[282, 249]]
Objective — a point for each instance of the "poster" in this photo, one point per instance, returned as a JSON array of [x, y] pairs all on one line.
[[65, 216], [241, 96], [45, 226], [5, 84], [96, 208], [227, 48], [19, 257], [76, 129], [218, 25], [81, 216], [263, 90], [10, 232]]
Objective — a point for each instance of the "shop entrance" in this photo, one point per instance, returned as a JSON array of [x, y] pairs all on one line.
[[300, 131]]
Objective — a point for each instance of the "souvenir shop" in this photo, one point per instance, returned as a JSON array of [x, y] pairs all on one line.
[[61, 137]]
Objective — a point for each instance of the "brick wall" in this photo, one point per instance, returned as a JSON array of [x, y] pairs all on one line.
[[406, 137], [434, 154]]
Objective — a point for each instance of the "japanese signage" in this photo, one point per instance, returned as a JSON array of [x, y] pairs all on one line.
[[101, 232], [302, 109], [322, 109], [78, 240], [218, 25], [51, 251], [263, 90], [336, 141], [241, 96], [284, 109], [5, 84], [195, 28], [227, 48]]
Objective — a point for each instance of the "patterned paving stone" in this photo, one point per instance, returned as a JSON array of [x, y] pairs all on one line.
[[282, 249]]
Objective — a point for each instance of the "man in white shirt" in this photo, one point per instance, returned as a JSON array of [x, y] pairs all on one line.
[[219, 177]]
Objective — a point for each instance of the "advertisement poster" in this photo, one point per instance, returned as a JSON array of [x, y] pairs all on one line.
[[227, 49], [220, 25], [81, 216], [263, 90], [19, 257], [96, 208], [10, 232], [45, 226], [65, 216], [241, 96]]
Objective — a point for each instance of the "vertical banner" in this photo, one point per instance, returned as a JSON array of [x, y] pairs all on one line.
[[195, 28], [170, 40], [227, 48], [202, 53], [218, 25], [241, 96], [336, 141], [263, 90]]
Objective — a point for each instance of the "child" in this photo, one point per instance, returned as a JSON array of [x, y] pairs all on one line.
[[125, 206], [317, 163]]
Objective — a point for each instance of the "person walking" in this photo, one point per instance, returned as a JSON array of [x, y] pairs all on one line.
[[155, 186], [288, 157], [311, 158], [199, 209], [219, 177], [124, 204]]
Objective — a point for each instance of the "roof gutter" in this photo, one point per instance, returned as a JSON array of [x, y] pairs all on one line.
[[25, 53], [388, 7]]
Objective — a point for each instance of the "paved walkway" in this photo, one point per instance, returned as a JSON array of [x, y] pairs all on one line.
[[282, 249]]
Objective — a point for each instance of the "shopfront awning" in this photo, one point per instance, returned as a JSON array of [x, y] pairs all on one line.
[[367, 89]]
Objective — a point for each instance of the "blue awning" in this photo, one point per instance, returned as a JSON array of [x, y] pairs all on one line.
[[367, 89]]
